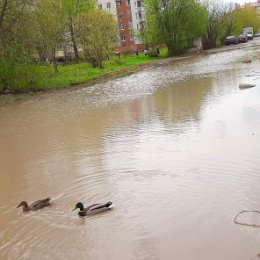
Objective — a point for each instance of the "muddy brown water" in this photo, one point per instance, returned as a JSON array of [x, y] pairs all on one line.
[[176, 148]]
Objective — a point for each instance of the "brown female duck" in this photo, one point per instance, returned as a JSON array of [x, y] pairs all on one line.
[[39, 204]]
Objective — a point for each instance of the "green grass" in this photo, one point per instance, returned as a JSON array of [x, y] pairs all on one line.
[[83, 72], [41, 77]]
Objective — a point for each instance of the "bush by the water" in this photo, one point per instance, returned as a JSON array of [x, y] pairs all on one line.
[[152, 53], [15, 78], [22, 76], [7, 75]]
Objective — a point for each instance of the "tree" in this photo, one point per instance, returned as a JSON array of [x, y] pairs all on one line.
[[215, 13], [246, 17], [15, 46], [223, 20], [174, 23], [72, 9], [49, 29], [13, 17], [97, 33], [227, 22]]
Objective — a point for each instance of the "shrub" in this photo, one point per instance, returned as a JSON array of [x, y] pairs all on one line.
[[7, 75], [152, 53], [15, 78]]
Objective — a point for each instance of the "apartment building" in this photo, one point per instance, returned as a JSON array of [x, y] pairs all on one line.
[[130, 15], [256, 6]]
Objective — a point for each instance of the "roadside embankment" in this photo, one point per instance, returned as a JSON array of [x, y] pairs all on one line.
[[75, 76]]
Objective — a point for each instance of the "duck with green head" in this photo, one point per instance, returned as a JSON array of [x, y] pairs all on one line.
[[92, 209]]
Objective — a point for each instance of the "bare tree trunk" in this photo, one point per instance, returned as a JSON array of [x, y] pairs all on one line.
[[2, 14], [55, 66], [73, 39], [170, 47]]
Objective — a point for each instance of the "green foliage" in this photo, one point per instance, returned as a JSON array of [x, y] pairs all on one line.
[[98, 35], [152, 53], [7, 75], [227, 26], [73, 9], [49, 26], [16, 71], [174, 23], [16, 78], [246, 17], [29, 77], [224, 21], [13, 21], [215, 12], [163, 52]]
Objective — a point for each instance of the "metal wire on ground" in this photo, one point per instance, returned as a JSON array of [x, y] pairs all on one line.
[[246, 224]]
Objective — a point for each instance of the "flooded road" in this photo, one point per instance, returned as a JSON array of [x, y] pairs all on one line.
[[175, 148]]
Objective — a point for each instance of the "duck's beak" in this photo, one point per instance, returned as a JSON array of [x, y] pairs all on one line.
[[74, 209], [19, 205]]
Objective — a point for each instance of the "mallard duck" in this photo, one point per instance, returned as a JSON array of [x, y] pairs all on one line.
[[39, 204], [93, 209]]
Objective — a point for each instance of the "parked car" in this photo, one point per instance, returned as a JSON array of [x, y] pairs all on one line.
[[257, 34], [249, 31], [242, 38], [230, 40], [249, 35]]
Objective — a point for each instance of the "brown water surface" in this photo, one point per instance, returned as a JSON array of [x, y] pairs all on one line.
[[175, 148]]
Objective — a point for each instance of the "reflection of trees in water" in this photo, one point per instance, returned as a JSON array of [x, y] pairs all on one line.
[[63, 139], [182, 102]]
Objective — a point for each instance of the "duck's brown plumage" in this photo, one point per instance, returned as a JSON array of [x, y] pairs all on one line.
[[39, 204]]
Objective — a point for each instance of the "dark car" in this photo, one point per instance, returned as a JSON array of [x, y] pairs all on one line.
[[242, 38], [230, 40]]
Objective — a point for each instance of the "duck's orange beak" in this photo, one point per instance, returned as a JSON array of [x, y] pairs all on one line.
[[74, 209]]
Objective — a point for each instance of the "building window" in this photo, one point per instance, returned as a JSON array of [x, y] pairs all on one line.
[[118, 2], [108, 5], [122, 38], [129, 14], [128, 2], [100, 6], [130, 25], [121, 26], [137, 27], [136, 15]]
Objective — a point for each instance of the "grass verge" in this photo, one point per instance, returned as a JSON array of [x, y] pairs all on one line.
[[75, 74], [33, 78]]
